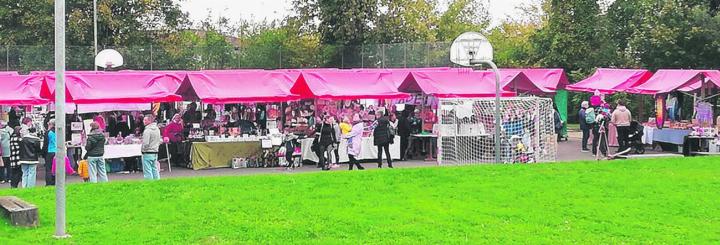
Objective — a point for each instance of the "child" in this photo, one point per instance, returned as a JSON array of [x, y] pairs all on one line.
[[83, 170]]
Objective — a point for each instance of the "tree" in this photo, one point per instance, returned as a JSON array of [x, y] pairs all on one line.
[[339, 22], [461, 16], [406, 21]]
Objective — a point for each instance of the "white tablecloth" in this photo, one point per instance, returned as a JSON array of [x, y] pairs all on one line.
[[367, 152], [120, 151], [648, 135]]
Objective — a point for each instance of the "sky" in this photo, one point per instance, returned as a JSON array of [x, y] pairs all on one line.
[[258, 10]]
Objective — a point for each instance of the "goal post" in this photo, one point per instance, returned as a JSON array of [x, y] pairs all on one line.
[[466, 131]]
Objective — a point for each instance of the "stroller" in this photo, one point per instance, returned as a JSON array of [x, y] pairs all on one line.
[[635, 137]]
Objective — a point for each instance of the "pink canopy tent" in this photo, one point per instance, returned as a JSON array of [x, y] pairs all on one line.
[[237, 87], [21, 90], [454, 84], [346, 85], [665, 81], [551, 78], [8, 73], [611, 80], [117, 88]]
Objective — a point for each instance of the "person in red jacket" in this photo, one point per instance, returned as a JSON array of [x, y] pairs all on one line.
[[174, 134]]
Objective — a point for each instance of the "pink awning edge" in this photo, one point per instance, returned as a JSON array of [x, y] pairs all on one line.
[[88, 88], [346, 85], [21, 90], [226, 87], [667, 80], [611, 80], [453, 84], [549, 78]]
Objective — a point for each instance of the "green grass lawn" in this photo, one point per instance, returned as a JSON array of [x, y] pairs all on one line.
[[675, 201]]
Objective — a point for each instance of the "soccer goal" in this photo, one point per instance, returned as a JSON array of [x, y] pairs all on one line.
[[466, 133]]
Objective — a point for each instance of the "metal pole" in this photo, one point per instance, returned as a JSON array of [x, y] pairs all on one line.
[[60, 118], [151, 56], [7, 58], [497, 111], [95, 31]]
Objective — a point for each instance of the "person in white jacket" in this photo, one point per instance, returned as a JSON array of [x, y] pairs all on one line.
[[354, 146]]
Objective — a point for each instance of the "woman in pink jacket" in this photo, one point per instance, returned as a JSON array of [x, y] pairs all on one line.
[[354, 145]]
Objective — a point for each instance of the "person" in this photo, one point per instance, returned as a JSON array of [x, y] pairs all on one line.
[[49, 149], [326, 138], [416, 128], [95, 148], [190, 115], [5, 169], [671, 104], [16, 170], [174, 133], [354, 145], [150, 145], [382, 139], [345, 126], [336, 145], [621, 117], [599, 130], [584, 126], [15, 115], [403, 130], [558, 123], [210, 113], [30, 150], [100, 120], [123, 126]]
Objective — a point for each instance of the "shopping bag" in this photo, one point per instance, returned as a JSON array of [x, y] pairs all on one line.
[[68, 167]]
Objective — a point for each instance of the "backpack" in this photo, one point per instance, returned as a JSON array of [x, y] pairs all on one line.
[[590, 117]]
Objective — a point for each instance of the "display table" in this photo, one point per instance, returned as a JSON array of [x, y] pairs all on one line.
[[648, 133], [670, 136], [220, 154], [368, 150]]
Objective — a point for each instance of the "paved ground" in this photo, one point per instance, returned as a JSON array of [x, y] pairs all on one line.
[[567, 151]]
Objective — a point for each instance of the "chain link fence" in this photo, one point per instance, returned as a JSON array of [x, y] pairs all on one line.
[[153, 57]]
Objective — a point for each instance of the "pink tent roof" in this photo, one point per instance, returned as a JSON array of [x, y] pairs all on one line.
[[665, 81], [551, 78], [237, 87], [118, 88], [21, 90], [8, 73], [454, 84], [611, 80], [346, 85]]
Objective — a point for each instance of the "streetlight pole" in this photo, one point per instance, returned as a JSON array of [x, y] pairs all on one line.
[[95, 31], [60, 118]]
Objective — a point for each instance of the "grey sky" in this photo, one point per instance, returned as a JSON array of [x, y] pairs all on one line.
[[275, 9]]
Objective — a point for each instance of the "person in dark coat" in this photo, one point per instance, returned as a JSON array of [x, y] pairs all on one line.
[[584, 126], [383, 138], [326, 138], [403, 130]]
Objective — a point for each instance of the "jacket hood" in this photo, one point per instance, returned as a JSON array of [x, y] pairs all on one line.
[[621, 108], [152, 126]]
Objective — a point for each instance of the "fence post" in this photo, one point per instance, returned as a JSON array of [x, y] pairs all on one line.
[[280, 52], [7, 58], [362, 56], [342, 57], [427, 54], [405, 55], [151, 57], [382, 52]]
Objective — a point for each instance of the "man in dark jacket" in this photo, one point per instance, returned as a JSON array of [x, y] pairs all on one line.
[[383, 139], [30, 150], [325, 139], [95, 148], [403, 130], [584, 126]]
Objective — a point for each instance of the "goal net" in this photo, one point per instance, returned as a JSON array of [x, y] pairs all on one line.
[[466, 131]]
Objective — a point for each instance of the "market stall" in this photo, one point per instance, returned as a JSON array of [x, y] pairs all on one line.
[[328, 86], [675, 132], [217, 141]]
